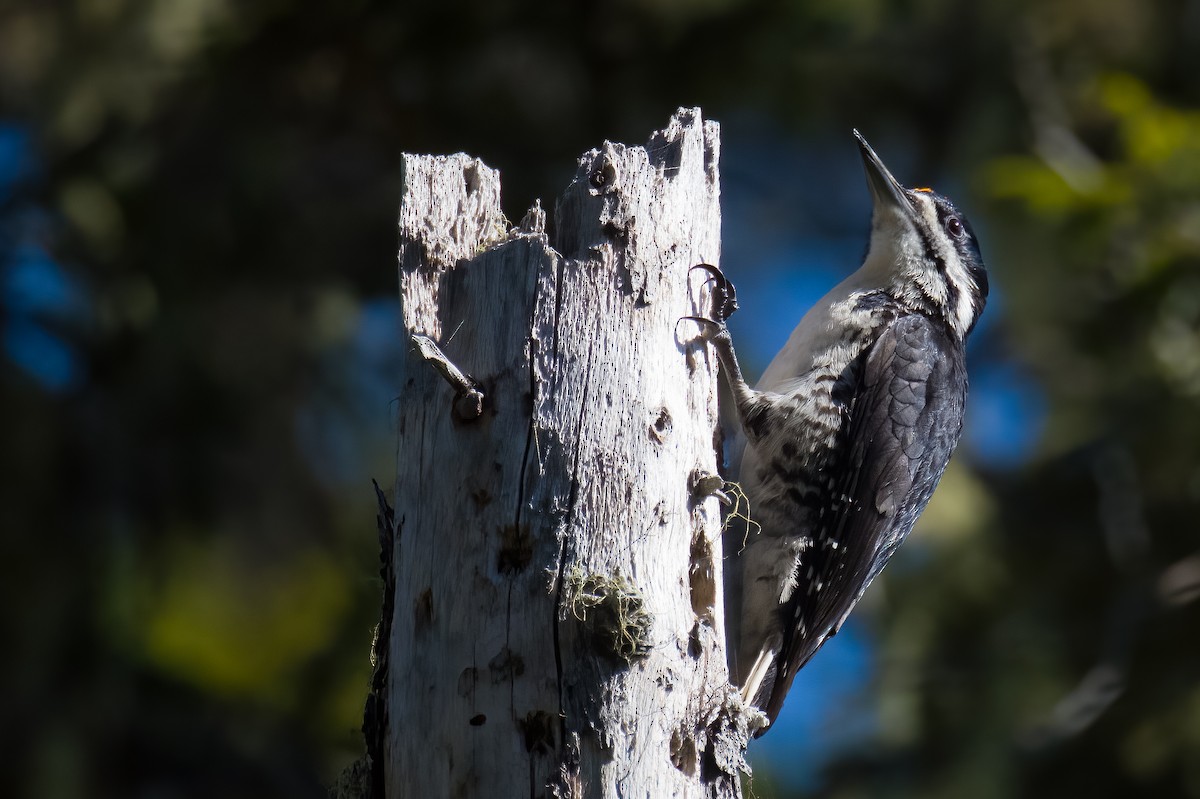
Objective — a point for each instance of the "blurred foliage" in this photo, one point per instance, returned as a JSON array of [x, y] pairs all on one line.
[[197, 224]]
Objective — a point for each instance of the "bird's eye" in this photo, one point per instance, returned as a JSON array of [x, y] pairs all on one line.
[[954, 226]]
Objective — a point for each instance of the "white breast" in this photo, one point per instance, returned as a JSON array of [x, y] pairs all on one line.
[[819, 341]]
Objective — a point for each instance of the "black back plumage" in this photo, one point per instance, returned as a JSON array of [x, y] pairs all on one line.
[[904, 422]]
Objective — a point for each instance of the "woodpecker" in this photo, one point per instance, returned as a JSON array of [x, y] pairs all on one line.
[[848, 431]]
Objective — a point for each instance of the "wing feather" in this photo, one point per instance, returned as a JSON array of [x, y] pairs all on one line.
[[904, 421]]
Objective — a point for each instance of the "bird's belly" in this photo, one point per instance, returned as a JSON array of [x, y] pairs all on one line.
[[787, 476]]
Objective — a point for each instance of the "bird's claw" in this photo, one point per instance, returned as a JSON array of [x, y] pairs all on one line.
[[724, 296], [710, 329]]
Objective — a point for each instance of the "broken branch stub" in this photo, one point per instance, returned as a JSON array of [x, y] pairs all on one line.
[[468, 398]]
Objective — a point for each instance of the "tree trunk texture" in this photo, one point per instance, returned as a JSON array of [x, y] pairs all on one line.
[[557, 626]]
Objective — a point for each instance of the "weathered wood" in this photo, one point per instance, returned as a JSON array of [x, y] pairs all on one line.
[[557, 627]]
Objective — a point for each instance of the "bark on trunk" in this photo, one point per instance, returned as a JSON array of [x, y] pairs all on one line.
[[557, 626]]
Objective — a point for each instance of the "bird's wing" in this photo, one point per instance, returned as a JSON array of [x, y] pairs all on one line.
[[904, 422]]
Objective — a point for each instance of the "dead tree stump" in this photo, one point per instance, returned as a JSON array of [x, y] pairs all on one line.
[[557, 626]]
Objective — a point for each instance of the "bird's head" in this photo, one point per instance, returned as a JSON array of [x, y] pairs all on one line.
[[922, 249]]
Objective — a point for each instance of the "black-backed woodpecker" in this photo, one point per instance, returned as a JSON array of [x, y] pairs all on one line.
[[848, 431]]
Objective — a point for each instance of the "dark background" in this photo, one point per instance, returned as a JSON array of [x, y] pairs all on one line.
[[199, 338]]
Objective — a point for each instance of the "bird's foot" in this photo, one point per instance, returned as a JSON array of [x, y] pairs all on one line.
[[722, 294], [722, 300]]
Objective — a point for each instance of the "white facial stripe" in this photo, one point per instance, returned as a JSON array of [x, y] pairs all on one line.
[[962, 315], [957, 272]]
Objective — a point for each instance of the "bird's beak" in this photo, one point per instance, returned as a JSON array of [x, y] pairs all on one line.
[[886, 192]]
